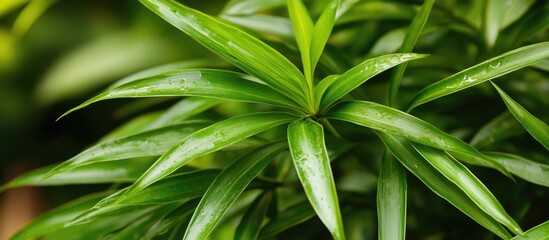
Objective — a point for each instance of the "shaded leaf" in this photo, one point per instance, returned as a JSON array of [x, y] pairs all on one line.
[[306, 140], [395, 122], [236, 7], [537, 128], [391, 199], [468, 183], [136, 229], [489, 69], [174, 218], [361, 73], [235, 46], [415, 163], [526, 169], [499, 128], [207, 140], [182, 110], [251, 222], [377, 10], [226, 188], [271, 25], [288, 218]]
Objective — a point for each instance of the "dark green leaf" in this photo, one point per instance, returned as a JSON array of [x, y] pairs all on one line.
[[251, 222], [391, 199], [288, 218], [499, 128], [526, 169]]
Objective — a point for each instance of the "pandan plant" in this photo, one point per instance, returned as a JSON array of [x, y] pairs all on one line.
[[303, 147]]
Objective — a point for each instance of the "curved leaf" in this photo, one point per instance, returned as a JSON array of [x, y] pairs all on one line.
[[482, 72], [251, 222], [150, 143], [401, 124], [539, 232], [499, 128], [212, 83], [182, 110], [235, 46], [302, 26], [322, 30], [403, 150], [468, 183], [288, 218], [227, 187], [391, 199], [526, 169], [251, 6], [207, 140], [136, 229], [361, 73], [537, 128], [306, 140]]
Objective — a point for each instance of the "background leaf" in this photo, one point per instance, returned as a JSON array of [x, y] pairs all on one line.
[[391, 199]]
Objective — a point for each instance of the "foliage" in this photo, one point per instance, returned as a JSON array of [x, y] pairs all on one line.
[[298, 152]]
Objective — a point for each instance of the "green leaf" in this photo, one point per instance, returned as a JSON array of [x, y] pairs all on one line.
[[227, 187], [183, 110], [499, 128], [412, 35], [306, 140], [539, 232], [303, 31], [207, 140], [238, 7], [499, 15], [102, 172], [468, 183], [482, 72], [322, 30], [251, 222], [235, 46], [210, 83], [377, 11], [361, 73], [415, 163], [174, 218], [526, 169], [391, 199], [150, 143], [537, 128], [136, 229], [288, 218], [280, 27], [395, 122], [56, 218]]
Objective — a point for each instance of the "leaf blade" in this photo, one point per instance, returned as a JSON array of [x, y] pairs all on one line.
[[391, 199], [251, 222], [306, 141]]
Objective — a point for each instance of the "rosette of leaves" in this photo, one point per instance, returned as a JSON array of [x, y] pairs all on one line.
[[314, 118]]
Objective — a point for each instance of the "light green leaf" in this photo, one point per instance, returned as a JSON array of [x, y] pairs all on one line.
[[514, 10], [235, 46], [377, 11], [395, 122], [391, 199], [251, 222], [526, 169], [102, 172], [500, 14], [270, 25], [207, 140], [56, 218], [237, 7], [211, 83], [94, 215], [482, 72], [29, 15], [183, 110], [539, 232], [306, 140], [415, 163], [468, 183], [361, 73], [150, 143], [288, 218], [499, 128], [227, 187], [131, 127], [322, 30], [303, 31], [537, 128], [412, 35]]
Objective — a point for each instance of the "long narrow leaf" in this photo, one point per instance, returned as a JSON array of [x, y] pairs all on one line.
[[235, 46], [182, 110], [251, 222], [361, 73], [499, 128], [211, 83], [482, 72], [306, 140], [288, 218], [207, 140], [303, 31], [322, 30], [537, 128], [401, 124], [539, 232], [391, 199], [415, 163], [528, 170], [468, 183], [136, 229], [227, 187], [412, 35]]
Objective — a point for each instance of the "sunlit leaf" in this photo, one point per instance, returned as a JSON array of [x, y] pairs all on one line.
[[251, 222], [540, 232], [303, 30], [322, 30], [251, 6], [30, 14], [482, 72], [377, 10], [227, 187], [528, 170], [183, 110], [207, 140], [235, 46], [306, 140], [270, 25], [391, 199], [416, 164], [395, 122], [361, 73], [288, 218], [468, 183], [537, 128]]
